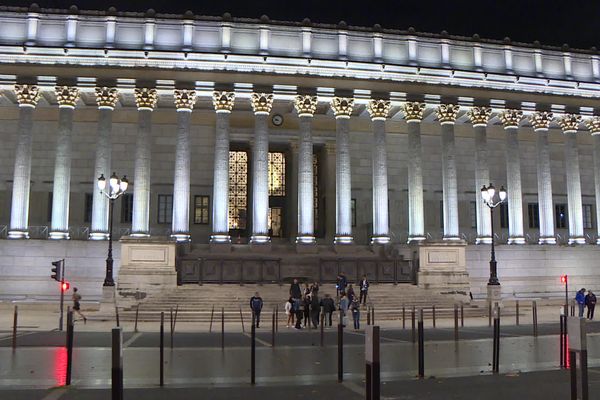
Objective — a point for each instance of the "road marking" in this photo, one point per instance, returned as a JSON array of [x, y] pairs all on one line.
[[18, 335], [55, 394], [132, 339], [258, 340]]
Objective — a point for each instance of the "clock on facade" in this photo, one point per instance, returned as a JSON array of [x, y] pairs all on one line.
[[277, 120]]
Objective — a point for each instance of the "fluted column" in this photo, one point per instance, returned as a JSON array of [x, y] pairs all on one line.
[[379, 110], [184, 102], [305, 106], [479, 117], [106, 98], [145, 100], [511, 119], [593, 124], [569, 124], [541, 122], [447, 116], [261, 104], [223, 102], [413, 113], [67, 97], [27, 97], [342, 107]]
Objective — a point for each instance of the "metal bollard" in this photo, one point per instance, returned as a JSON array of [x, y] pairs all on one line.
[[462, 315], [517, 313], [403, 317], [563, 320], [412, 320], [433, 314], [372, 315], [212, 314], [276, 318], [171, 325], [242, 319], [455, 322], [322, 327], [162, 349], [372, 363], [223, 328], [253, 351], [15, 321], [368, 316], [535, 319], [70, 333], [137, 310], [273, 330], [117, 364], [496, 341], [421, 345], [117, 315], [340, 349]]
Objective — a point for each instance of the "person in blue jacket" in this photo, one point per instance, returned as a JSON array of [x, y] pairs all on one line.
[[580, 299], [256, 304]]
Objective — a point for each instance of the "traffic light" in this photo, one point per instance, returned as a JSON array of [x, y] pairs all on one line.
[[57, 270], [563, 279], [65, 286]]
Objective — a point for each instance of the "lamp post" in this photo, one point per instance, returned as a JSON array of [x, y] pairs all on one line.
[[116, 188], [492, 201]]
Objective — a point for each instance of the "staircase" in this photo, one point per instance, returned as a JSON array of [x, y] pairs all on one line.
[[195, 303]]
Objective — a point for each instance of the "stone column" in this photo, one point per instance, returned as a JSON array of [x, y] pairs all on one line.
[[261, 104], [106, 98], [184, 102], [330, 191], [305, 106], [27, 97], [342, 107], [413, 113], [223, 103], [447, 116], [145, 100], [569, 124], [541, 122], [479, 117], [593, 124], [379, 110], [67, 98], [511, 119]]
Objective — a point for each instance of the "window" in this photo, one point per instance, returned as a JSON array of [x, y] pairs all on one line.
[[353, 211], [276, 174], [50, 206], [587, 216], [533, 211], [560, 214], [89, 202], [201, 209], [473, 214], [126, 208], [238, 189], [503, 215], [165, 208]]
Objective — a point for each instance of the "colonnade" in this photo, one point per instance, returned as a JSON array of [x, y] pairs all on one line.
[[305, 106]]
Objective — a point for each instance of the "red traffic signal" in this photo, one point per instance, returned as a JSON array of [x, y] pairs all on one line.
[[563, 279], [65, 286]]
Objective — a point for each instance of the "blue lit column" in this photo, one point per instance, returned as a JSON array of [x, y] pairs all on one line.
[[261, 104], [479, 117], [145, 100], [413, 114]]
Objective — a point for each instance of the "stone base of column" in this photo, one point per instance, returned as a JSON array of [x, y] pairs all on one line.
[[59, 235], [452, 239], [306, 244], [483, 240], [416, 239], [260, 243], [108, 302], [343, 240], [443, 267], [344, 244], [139, 235], [577, 240], [494, 293], [181, 237], [380, 240], [547, 240], [516, 240], [18, 235], [99, 236]]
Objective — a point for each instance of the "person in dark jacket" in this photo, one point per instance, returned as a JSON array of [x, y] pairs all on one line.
[[299, 313], [328, 308], [315, 310], [580, 299], [295, 291], [355, 308], [590, 303], [350, 293], [364, 290], [256, 305], [306, 308]]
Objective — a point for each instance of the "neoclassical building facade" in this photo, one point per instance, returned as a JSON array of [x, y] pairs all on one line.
[[236, 132]]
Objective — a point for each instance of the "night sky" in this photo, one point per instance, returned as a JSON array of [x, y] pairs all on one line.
[[552, 22]]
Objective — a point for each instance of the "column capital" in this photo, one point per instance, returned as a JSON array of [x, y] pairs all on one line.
[[305, 105], [66, 96], [223, 101], [378, 109], [184, 99], [447, 113], [262, 103], [145, 98], [342, 106], [593, 124], [569, 123], [413, 111], [479, 116], [27, 95], [107, 97], [511, 117], [541, 120]]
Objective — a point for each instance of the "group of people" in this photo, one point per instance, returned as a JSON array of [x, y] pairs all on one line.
[[586, 301]]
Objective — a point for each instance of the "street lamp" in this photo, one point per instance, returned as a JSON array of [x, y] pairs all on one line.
[[116, 188], [492, 201]]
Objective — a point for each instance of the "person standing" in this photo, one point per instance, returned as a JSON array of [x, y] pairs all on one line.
[[580, 299], [350, 294], [256, 305], [315, 310], [298, 310], [328, 308], [77, 304], [306, 304], [289, 311], [355, 308], [364, 290], [343, 282], [343, 308], [295, 292], [590, 302]]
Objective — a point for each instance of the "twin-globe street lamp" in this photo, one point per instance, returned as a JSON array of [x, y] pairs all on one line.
[[116, 188], [489, 198]]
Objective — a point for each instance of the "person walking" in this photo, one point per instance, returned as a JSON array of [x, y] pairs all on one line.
[[306, 304], [350, 293], [295, 292], [364, 290], [256, 305], [289, 311], [328, 308], [355, 308], [580, 299], [343, 308], [315, 310], [298, 310], [590, 303], [77, 304]]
